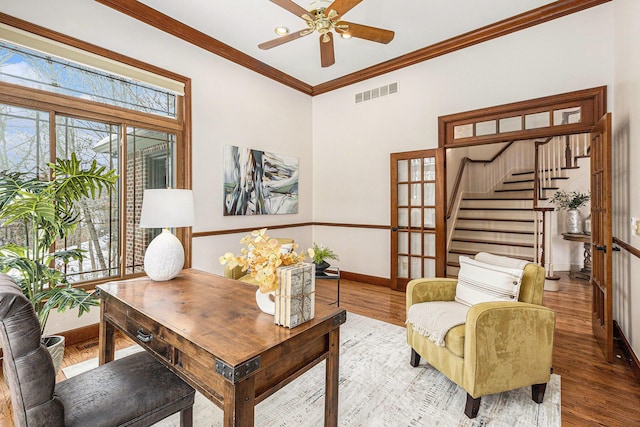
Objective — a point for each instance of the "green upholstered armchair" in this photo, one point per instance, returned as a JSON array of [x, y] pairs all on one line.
[[237, 273], [502, 346]]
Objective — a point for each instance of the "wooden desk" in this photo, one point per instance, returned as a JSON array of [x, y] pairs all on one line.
[[209, 331], [585, 239]]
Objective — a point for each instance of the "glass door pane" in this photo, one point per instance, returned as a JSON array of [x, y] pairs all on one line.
[[98, 232], [25, 148], [414, 216], [150, 164]]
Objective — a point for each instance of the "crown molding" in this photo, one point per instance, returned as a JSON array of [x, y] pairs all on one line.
[[531, 18], [159, 20], [510, 25]]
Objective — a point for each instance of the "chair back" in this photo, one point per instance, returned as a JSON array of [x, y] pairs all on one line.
[[532, 287], [28, 367]]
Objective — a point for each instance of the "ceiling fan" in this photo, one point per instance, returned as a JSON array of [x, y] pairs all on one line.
[[324, 16]]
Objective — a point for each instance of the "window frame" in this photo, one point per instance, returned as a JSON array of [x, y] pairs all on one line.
[[21, 96]]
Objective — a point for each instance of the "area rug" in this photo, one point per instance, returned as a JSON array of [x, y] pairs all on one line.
[[378, 387]]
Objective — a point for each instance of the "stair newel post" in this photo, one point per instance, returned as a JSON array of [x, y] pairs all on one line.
[[543, 247]]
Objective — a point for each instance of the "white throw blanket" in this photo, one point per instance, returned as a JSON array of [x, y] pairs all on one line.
[[434, 319]]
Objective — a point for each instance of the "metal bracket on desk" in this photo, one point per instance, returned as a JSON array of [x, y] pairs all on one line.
[[236, 374], [340, 318]]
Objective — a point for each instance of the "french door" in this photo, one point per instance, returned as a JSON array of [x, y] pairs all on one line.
[[601, 238], [417, 216]]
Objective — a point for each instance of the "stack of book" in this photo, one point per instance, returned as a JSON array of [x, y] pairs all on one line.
[[295, 296]]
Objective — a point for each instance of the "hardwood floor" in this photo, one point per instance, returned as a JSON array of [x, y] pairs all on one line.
[[594, 392]]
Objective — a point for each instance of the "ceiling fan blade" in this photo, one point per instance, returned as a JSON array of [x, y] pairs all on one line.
[[293, 8], [342, 6], [365, 32], [327, 54], [284, 39]]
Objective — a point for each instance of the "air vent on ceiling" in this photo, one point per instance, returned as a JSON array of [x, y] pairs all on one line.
[[378, 92]]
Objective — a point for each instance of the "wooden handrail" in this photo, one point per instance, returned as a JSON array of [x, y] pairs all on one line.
[[627, 247], [456, 185], [461, 168]]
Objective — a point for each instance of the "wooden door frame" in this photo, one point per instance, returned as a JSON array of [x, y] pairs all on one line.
[[592, 102], [440, 208]]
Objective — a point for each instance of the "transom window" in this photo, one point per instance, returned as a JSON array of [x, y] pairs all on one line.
[[50, 108], [33, 69]]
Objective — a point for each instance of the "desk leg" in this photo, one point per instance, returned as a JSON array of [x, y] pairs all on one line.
[[107, 339], [239, 402], [333, 376]]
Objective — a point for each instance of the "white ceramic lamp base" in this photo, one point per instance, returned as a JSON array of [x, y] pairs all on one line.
[[164, 257]]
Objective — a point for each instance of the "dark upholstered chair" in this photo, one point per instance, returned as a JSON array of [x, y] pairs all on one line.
[[134, 391]]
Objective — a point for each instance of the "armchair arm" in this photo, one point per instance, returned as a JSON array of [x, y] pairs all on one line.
[[433, 289], [507, 345]]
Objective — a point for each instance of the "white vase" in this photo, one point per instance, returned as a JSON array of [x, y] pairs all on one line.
[[266, 301], [587, 225], [574, 221]]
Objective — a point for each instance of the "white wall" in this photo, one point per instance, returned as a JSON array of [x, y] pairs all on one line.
[[344, 148], [230, 105], [352, 142], [626, 176]]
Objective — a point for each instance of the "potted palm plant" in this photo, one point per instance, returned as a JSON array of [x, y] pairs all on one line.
[[48, 210]]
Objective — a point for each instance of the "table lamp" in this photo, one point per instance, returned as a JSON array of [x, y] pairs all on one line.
[[165, 208]]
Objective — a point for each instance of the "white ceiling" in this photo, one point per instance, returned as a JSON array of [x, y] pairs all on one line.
[[243, 24]]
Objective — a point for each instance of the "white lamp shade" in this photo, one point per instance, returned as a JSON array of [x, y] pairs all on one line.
[[166, 208]]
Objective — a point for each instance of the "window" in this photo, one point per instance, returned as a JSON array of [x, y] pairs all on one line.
[[33, 69], [51, 107]]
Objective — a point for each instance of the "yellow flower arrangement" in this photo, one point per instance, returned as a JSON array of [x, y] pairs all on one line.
[[262, 256]]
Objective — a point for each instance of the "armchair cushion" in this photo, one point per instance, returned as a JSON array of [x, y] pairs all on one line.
[[434, 319], [480, 282]]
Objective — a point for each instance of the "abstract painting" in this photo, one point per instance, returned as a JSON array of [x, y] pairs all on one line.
[[259, 182]]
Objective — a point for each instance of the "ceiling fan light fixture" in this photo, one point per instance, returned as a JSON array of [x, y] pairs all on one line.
[[345, 35], [281, 31]]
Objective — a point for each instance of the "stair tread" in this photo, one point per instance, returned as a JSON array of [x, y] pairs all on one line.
[[496, 219], [520, 181], [498, 198], [497, 209], [493, 242], [502, 190], [473, 253], [502, 199], [491, 230], [546, 170]]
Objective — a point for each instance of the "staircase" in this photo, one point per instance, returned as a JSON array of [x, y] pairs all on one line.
[[499, 218], [501, 222]]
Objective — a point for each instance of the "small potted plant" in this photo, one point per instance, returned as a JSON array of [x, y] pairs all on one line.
[[571, 202], [48, 210], [319, 255]]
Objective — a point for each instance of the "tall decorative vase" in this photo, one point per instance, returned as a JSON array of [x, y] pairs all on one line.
[[574, 221]]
